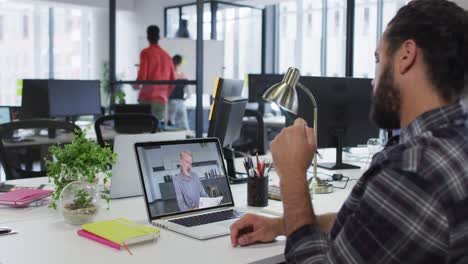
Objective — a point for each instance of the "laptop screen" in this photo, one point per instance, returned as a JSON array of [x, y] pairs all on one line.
[[5, 116], [182, 176]]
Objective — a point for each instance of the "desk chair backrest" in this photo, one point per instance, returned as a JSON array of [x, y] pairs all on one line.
[[24, 148], [131, 123]]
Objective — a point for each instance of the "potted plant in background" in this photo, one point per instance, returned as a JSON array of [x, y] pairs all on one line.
[[82, 160]]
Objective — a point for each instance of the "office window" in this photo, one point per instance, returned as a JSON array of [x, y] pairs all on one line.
[[366, 33], [390, 8], [312, 43], [72, 43], [240, 28], [288, 44], [25, 26], [336, 40], [307, 52], [2, 22], [189, 13], [22, 56], [365, 29], [365, 38], [172, 22], [26, 53]]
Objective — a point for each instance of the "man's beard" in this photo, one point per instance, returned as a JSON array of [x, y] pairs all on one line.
[[386, 102]]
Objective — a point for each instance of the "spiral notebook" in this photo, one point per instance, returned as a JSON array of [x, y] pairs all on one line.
[[121, 231], [23, 197]]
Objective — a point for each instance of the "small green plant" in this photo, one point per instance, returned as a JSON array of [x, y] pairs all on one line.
[[79, 161], [82, 200]]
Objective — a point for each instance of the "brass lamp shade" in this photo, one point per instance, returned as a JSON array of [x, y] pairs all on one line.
[[284, 93]]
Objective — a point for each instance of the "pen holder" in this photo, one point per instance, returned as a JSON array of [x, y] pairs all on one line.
[[257, 191]]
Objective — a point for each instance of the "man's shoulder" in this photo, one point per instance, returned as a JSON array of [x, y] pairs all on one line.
[[435, 158]]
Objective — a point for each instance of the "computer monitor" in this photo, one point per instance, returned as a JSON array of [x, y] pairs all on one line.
[[35, 99], [343, 114], [343, 110], [223, 88], [71, 98], [226, 115], [5, 115], [227, 128], [259, 83]]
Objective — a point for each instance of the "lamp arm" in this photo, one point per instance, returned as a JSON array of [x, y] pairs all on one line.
[[309, 93], [314, 103]]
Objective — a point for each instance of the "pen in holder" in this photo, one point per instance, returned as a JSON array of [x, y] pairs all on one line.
[[257, 182]]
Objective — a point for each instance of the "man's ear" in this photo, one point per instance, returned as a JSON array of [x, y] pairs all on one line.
[[406, 56]]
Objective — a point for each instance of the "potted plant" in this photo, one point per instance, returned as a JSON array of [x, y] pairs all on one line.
[[82, 160]]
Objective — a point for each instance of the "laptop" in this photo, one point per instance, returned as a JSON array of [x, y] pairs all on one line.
[[5, 115], [186, 187], [125, 181]]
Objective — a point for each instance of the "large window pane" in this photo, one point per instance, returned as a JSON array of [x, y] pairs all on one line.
[[336, 38], [73, 45], [390, 8], [312, 37], [365, 38], [301, 37], [287, 36], [189, 13], [24, 49], [240, 28], [172, 22]]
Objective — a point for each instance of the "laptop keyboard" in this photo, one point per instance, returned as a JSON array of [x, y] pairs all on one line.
[[203, 219]]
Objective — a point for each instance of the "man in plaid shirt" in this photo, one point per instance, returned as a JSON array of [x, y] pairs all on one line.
[[411, 205]]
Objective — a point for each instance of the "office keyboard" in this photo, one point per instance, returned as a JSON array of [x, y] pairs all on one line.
[[207, 218], [274, 192]]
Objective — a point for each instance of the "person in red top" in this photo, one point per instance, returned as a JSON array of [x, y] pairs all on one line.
[[155, 64]]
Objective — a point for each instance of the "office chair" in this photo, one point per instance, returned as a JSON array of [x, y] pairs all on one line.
[[131, 123], [246, 143], [19, 153]]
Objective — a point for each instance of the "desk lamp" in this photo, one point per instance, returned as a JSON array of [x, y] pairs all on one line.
[[284, 95]]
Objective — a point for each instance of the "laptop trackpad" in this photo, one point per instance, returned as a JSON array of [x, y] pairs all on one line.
[[227, 223]]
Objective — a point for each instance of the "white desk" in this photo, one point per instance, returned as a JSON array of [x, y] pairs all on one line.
[[45, 238]]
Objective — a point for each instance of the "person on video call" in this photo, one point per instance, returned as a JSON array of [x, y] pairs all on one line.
[[411, 205], [187, 184]]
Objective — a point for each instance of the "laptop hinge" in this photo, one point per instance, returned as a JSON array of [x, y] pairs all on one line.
[[194, 213]]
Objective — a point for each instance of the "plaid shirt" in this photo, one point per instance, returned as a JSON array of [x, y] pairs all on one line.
[[411, 206]]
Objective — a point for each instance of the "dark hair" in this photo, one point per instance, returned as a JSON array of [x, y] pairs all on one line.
[[177, 59], [152, 33], [440, 30]]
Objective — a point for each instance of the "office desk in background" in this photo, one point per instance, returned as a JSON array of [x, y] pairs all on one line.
[[43, 237]]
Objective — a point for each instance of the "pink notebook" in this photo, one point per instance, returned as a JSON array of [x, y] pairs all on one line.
[[23, 197], [99, 239]]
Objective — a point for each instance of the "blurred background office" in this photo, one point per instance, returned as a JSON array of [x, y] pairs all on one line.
[[250, 40]]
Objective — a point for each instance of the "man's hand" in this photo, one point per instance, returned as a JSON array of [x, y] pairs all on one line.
[[293, 150], [254, 228]]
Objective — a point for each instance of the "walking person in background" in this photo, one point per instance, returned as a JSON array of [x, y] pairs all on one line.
[[155, 64], [177, 110]]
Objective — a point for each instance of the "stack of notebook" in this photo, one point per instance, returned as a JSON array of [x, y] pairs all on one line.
[[118, 233], [23, 197]]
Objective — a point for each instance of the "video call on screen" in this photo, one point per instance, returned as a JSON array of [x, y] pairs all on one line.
[[183, 177]]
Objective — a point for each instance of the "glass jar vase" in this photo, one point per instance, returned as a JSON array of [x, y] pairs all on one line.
[[79, 202]]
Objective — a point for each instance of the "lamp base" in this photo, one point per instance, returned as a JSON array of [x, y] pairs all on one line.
[[320, 187]]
